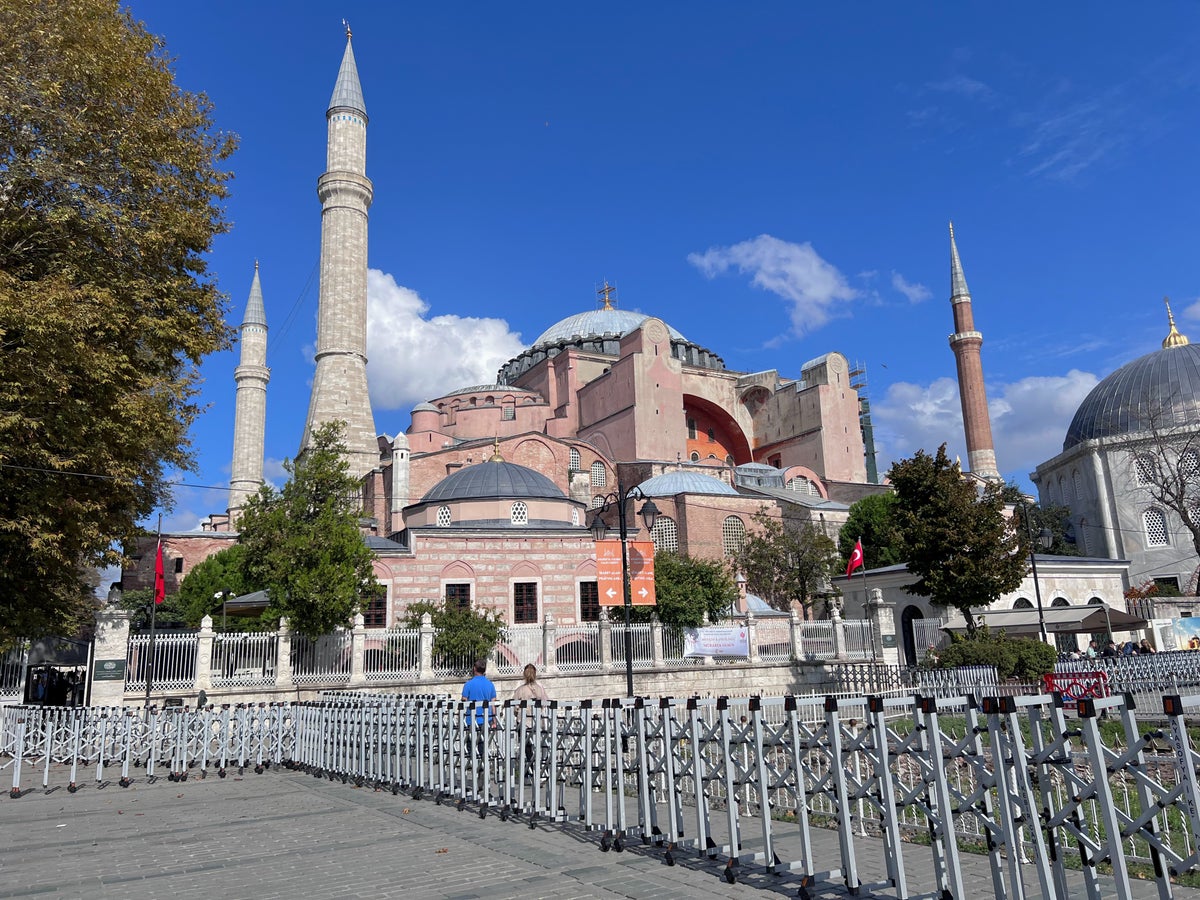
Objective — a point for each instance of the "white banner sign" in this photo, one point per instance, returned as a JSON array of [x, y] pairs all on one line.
[[717, 640]]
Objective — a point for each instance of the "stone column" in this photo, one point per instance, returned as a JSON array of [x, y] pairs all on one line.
[[426, 647], [797, 640], [358, 650], [549, 642], [283, 655], [204, 656], [605, 632], [839, 629], [883, 625], [752, 636], [110, 651], [656, 642]]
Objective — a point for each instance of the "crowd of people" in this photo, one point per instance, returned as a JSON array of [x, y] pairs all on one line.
[[1112, 649]]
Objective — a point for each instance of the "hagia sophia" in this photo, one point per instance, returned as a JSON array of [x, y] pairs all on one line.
[[487, 496]]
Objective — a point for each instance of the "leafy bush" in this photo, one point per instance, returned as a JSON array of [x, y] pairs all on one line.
[[459, 631], [1027, 659]]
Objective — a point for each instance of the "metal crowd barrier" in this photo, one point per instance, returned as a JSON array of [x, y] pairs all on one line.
[[46, 740], [749, 783]]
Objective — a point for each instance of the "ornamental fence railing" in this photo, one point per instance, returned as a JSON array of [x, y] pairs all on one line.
[[191, 661], [1058, 807]]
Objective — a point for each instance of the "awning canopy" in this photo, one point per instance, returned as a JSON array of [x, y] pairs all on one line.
[[1091, 619]]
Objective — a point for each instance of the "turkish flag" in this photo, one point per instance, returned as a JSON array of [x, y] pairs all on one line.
[[856, 557], [160, 583]]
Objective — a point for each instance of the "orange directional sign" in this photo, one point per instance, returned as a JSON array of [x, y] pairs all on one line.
[[641, 572]]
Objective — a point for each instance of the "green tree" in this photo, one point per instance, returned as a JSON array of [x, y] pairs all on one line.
[[110, 195], [200, 593], [459, 632], [786, 561], [1034, 518], [957, 538], [688, 588], [302, 543], [870, 520]]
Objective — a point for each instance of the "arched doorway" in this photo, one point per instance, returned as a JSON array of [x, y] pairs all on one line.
[[908, 632]]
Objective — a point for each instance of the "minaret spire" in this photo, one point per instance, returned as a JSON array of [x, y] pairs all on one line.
[[250, 405], [339, 389], [1173, 338], [966, 342]]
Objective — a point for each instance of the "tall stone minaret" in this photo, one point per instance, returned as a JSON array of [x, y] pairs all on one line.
[[250, 416], [966, 341], [339, 388]]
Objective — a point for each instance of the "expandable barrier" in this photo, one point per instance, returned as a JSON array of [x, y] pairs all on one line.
[[745, 782]]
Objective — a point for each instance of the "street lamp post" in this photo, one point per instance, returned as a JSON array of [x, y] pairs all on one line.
[[1045, 539], [649, 513], [222, 595]]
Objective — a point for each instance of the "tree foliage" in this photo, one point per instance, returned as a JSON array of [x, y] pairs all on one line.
[[200, 593], [786, 561], [110, 195], [1035, 518], [687, 589], [302, 543], [957, 538], [871, 521], [459, 632], [1023, 658]]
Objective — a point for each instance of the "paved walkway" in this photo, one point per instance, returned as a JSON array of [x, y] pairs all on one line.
[[286, 835]]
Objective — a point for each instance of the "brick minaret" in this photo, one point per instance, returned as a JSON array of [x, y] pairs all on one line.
[[339, 388], [250, 416], [966, 341]]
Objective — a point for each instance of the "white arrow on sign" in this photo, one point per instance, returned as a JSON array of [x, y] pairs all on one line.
[[643, 592], [610, 593]]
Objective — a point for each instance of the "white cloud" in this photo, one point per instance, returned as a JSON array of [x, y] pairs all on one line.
[[915, 292], [413, 358], [1029, 419], [963, 86], [812, 286], [1191, 311], [274, 473]]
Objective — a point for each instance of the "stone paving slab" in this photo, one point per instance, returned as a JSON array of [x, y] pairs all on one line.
[[284, 834]]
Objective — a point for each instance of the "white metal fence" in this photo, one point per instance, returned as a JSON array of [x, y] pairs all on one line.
[[325, 660], [577, 648], [244, 660], [174, 661], [392, 654]]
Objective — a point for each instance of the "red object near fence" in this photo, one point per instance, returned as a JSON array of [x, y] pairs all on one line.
[[1073, 685]]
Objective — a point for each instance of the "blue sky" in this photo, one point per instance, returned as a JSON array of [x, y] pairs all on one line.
[[772, 179]]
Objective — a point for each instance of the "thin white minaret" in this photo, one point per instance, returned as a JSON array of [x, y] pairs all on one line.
[[339, 388], [966, 342], [250, 412]]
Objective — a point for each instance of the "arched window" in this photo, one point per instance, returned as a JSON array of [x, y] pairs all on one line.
[[1189, 464], [599, 476], [574, 516], [573, 462], [802, 485], [597, 502], [1155, 524], [1060, 601], [519, 515], [1022, 603], [665, 535], [1065, 490], [1081, 535], [733, 535], [1077, 481], [443, 517], [695, 457], [1145, 469]]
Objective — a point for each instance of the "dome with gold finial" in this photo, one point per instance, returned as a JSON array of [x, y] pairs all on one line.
[[1158, 390]]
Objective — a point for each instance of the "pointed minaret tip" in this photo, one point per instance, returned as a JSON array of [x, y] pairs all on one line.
[[346, 25], [958, 280], [256, 312], [347, 92], [1173, 338]]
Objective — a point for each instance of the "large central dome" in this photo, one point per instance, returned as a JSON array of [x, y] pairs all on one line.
[[606, 321], [1158, 390]]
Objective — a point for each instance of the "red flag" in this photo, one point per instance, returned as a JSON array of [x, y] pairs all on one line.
[[160, 584], [856, 557]]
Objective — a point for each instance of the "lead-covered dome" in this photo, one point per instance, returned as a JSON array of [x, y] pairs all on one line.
[[604, 322], [668, 484], [494, 479], [1160, 389]]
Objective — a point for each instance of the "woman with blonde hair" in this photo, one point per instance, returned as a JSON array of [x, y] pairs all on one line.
[[531, 689]]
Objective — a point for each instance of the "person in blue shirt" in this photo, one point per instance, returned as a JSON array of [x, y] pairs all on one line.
[[481, 690]]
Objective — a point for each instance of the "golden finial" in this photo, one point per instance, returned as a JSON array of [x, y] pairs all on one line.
[[346, 25], [496, 457], [1173, 338], [606, 292]]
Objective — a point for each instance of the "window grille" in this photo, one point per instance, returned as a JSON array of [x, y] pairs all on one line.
[[519, 514], [443, 517], [802, 485], [665, 535], [375, 614], [599, 476], [574, 516], [589, 601], [1146, 470], [597, 501], [458, 595], [1077, 481], [733, 535], [1156, 528], [573, 461], [508, 413], [1189, 465], [525, 603]]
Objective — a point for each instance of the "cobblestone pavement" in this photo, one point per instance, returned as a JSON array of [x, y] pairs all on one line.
[[285, 834]]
